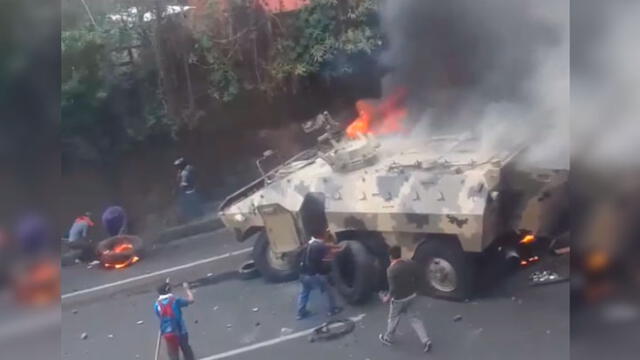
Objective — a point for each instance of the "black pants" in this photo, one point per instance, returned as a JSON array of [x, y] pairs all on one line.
[[87, 248], [175, 343]]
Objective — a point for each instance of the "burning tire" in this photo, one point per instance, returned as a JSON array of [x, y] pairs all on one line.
[[447, 269], [119, 251], [274, 267], [248, 270], [354, 272]]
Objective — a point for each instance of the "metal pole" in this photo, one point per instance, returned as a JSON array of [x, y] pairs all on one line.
[[86, 7]]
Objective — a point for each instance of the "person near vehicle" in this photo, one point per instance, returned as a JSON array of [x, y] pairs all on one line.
[[78, 236], [168, 308], [314, 270], [188, 196], [114, 220], [403, 277]]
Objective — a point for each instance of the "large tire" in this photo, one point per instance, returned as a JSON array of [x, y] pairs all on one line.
[[273, 269], [110, 243], [354, 272], [447, 270]]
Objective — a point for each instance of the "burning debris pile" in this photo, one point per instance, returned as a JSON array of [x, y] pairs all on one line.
[[119, 251]]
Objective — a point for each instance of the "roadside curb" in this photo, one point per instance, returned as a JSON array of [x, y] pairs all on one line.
[[187, 230]]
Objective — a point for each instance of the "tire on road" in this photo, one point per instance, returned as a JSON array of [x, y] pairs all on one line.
[[447, 269], [248, 270], [271, 266], [354, 272], [110, 243]]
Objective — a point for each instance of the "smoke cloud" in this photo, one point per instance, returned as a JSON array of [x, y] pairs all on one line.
[[499, 68]]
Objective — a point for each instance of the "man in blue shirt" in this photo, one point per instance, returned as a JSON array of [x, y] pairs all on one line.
[[168, 308]]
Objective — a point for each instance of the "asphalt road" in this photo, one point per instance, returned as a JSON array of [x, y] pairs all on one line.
[[512, 321]]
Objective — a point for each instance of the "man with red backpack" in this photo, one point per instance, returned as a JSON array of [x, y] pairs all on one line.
[[168, 308]]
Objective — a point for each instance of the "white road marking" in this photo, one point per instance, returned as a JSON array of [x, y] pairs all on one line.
[[165, 271], [269, 342]]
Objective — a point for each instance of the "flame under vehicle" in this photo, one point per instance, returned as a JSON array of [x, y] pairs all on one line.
[[445, 200]]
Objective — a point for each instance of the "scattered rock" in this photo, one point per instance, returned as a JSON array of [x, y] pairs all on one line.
[[110, 336], [84, 336], [286, 331], [255, 309], [195, 321], [513, 298], [229, 326], [140, 322], [548, 332], [258, 323], [137, 356], [457, 318], [519, 301], [74, 311], [209, 274], [215, 307]]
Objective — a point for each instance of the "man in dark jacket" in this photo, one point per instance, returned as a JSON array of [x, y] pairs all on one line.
[[314, 271], [404, 279]]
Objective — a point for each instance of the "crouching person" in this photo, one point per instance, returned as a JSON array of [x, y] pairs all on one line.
[[168, 308]]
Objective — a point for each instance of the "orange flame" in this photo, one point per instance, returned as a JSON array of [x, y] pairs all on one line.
[[122, 248], [383, 118], [528, 239]]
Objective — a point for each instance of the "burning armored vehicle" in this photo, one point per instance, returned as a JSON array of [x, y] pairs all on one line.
[[445, 200]]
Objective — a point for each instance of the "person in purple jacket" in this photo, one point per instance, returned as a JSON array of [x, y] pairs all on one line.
[[114, 220], [173, 330]]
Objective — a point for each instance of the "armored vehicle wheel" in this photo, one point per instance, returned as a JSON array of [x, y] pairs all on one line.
[[447, 269], [354, 272], [274, 267]]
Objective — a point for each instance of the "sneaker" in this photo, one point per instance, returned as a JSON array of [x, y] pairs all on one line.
[[336, 310], [427, 346], [384, 340], [303, 315]]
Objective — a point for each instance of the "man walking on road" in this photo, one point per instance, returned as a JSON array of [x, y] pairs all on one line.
[[404, 277], [168, 308], [314, 272]]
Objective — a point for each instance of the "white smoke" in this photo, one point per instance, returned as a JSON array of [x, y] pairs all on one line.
[[499, 68], [605, 88]]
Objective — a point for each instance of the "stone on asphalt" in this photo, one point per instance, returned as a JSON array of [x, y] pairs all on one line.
[[140, 322], [255, 309], [457, 318], [74, 311], [84, 336], [110, 336]]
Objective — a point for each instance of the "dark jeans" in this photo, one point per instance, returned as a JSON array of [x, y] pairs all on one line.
[[310, 282], [87, 248], [175, 343], [190, 205]]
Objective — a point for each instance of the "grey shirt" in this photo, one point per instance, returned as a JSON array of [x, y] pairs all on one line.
[[78, 231], [404, 279]]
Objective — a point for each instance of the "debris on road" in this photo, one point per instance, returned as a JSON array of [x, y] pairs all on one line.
[[229, 326], [332, 330], [285, 331], [195, 321], [545, 277], [457, 318], [215, 307], [110, 336], [84, 336], [140, 322], [258, 323], [74, 311], [255, 309]]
